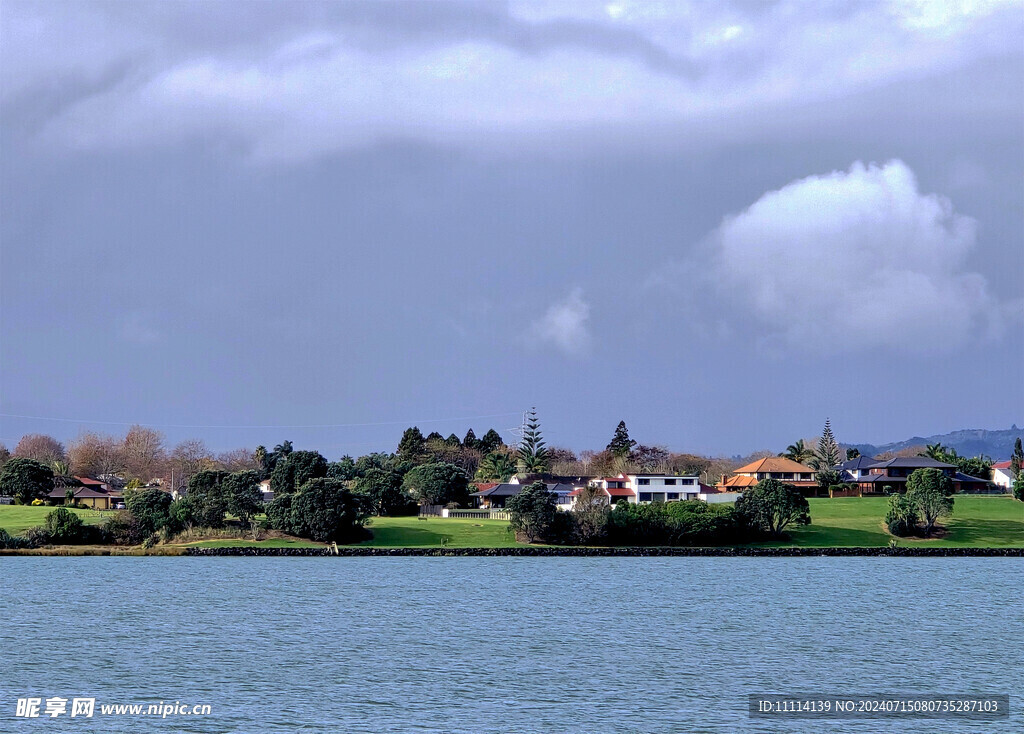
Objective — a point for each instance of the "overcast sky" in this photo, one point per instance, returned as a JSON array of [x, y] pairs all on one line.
[[719, 222]]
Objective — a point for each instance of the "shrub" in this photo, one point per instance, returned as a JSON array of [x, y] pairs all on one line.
[[150, 541], [149, 507], [686, 523], [902, 516], [123, 528], [771, 506], [1018, 487], [12, 542], [37, 537], [931, 492], [64, 526]]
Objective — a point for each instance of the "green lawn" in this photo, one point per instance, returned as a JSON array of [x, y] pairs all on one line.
[[19, 518], [394, 532], [977, 521]]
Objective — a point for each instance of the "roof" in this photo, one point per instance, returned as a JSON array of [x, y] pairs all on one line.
[[961, 477], [912, 462], [1001, 465], [707, 489], [620, 492], [861, 462], [506, 489], [89, 482], [773, 464], [79, 492]]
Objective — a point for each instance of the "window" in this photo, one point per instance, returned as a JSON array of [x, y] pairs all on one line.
[[645, 496], [670, 482], [690, 480], [657, 496], [672, 496], [643, 482]]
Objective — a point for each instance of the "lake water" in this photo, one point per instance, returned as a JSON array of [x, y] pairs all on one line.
[[502, 644]]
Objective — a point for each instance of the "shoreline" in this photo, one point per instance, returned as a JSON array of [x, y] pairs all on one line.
[[534, 552]]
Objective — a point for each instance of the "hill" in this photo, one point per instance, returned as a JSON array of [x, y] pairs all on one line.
[[968, 442]]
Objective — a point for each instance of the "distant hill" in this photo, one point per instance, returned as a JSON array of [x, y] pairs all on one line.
[[970, 442]]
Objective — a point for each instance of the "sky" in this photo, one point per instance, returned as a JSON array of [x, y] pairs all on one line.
[[720, 222]]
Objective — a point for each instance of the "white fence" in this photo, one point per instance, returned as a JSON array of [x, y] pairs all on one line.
[[476, 514]]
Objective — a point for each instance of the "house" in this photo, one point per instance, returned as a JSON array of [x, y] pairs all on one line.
[[645, 488], [91, 493], [770, 467], [266, 493], [891, 475], [1002, 475], [492, 496], [853, 469]]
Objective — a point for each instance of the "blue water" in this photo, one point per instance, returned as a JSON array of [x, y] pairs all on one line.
[[502, 644]]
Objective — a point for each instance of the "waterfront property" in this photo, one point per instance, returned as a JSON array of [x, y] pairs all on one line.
[[1002, 475], [883, 477], [770, 467], [495, 495], [90, 493]]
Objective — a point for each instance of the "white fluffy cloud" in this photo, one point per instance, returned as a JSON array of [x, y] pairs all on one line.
[[851, 261], [564, 325]]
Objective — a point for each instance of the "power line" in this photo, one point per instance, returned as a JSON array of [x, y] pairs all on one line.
[[241, 427]]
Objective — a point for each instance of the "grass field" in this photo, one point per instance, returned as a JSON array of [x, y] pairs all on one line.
[[978, 521], [19, 518], [395, 532]]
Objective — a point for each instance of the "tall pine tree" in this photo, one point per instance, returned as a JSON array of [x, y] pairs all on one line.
[[621, 444], [532, 456], [827, 453]]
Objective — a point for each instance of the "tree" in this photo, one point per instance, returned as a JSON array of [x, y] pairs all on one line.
[[96, 455], [244, 499], [325, 510], [238, 460], [649, 458], [798, 452], [770, 506], [931, 492], [496, 467], [531, 454], [852, 454], [383, 489], [412, 446], [5, 455], [26, 480], [621, 444], [828, 478], [533, 512], [188, 459], [44, 449], [490, 442], [453, 440], [901, 518], [62, 477], [437, 484], [590, 513], [144, 453], [826, 456], [295, 469], [1018, 487], [344, 468], [64, 526], [470, 441], [207, 498], [149, 507], [1017, 458], [935, 451]]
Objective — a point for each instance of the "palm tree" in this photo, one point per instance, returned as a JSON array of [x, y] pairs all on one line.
[[62, 474], [935, 451], [798, 452], [496, 467]]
